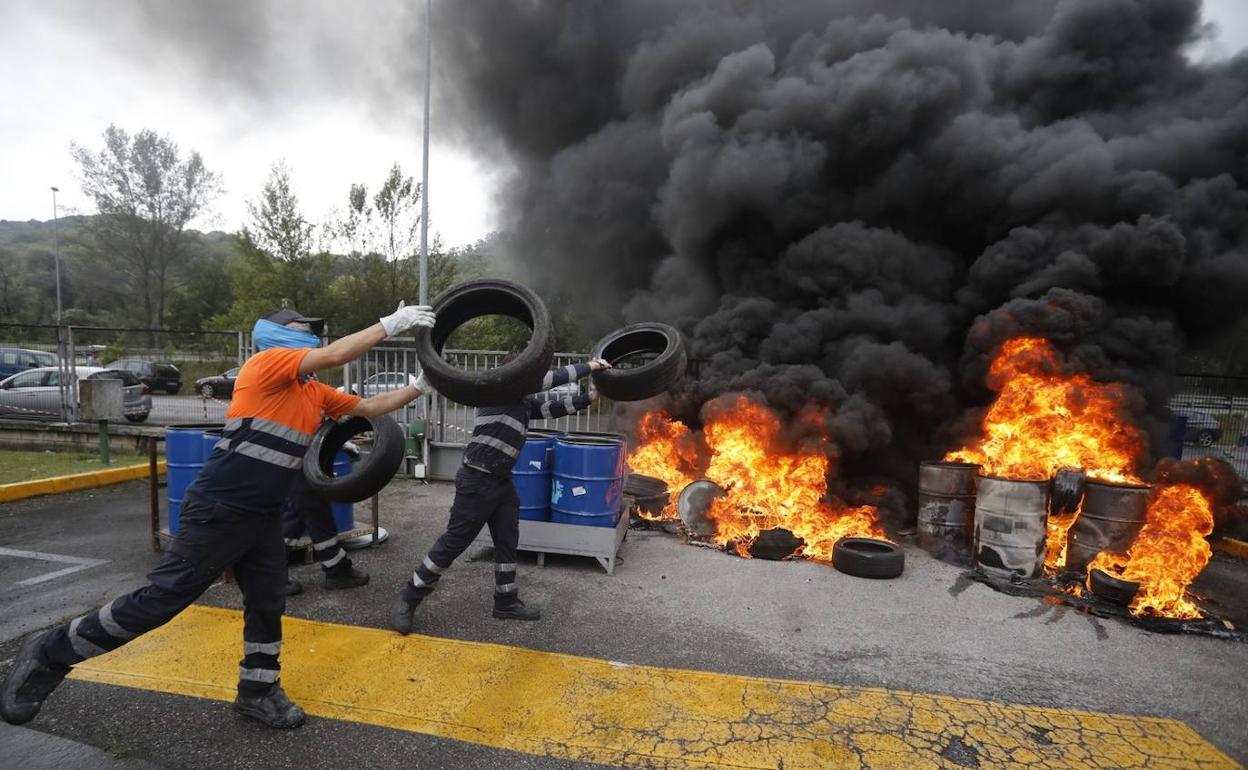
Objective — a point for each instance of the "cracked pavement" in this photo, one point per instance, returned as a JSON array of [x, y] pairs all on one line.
[[684, 658]]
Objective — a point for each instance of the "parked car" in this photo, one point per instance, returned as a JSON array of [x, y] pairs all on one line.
[[218, 385], [381, 382], [14, 360], [36, 393], [1202, 429], [156, 375]]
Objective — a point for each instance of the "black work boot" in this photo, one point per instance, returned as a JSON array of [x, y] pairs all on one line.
[[343, 575], [29, 682], [402, 609], [509, 607], [293, 586], [272, 708]]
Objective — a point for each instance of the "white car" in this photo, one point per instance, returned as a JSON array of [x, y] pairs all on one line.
[[381, 382]]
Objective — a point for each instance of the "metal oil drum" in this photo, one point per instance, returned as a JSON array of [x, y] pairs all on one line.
[[947, 509], [1011, 516], [1112, 516]]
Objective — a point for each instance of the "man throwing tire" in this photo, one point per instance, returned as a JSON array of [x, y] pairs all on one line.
[[231, 516], [485, 495]]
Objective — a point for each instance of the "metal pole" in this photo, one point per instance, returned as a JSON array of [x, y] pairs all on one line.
[[56, 252], [153, 486], [424, 184]]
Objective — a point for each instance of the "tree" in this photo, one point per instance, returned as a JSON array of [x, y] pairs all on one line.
[[277, 225], [274, 263], [146, 193]]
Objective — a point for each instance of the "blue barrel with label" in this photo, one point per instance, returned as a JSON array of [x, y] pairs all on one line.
[[184, 456], [531, 475], [344, 513], [587, 480]]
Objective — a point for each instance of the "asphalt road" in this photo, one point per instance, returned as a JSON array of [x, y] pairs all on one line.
[[668, 605]]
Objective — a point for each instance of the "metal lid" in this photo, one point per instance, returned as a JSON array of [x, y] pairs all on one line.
[[693, 504]]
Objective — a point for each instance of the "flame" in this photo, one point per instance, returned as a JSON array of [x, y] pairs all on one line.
[[768, 485], [1168, 554], [1043, 420], [665, 450]]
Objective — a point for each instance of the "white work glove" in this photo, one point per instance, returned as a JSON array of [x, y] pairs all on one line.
[[406, 317], [422, 384]]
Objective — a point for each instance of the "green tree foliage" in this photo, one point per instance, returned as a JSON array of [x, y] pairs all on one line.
[[146, 194]]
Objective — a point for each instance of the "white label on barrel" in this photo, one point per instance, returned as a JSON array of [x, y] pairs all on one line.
[[578, 491], [536, 464]]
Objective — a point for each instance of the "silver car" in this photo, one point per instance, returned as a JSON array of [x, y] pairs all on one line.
[[381, 382], [36, 394]]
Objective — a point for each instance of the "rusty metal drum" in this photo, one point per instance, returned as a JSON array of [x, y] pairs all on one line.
[[1011, 516], [947, 509], [1112, 516]]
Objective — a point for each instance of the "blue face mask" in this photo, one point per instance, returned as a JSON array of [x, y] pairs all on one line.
[[266, 334]]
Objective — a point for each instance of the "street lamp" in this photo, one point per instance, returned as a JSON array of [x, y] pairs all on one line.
[[56, 251]]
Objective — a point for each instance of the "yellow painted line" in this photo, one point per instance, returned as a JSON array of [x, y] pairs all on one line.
[[75, 482], [1232, 546], [622, 715]]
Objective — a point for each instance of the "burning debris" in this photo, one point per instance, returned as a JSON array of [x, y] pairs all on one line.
[[770, 481], [1046, 419], [877, 217]]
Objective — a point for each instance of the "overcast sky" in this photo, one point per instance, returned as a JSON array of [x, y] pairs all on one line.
[[333, 88]]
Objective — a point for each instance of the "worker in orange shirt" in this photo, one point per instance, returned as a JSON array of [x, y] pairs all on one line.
[[231, 516]]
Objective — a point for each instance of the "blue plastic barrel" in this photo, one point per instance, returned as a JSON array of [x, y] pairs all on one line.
[[344, 513], [184, 456], [531, 475], [588, 480]]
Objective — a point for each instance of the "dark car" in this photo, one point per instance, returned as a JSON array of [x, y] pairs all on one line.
[[14, 360], [1202, 429], [218, 385], [156, 375]]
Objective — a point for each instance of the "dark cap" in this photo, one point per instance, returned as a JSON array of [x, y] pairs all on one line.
[[289, 315]]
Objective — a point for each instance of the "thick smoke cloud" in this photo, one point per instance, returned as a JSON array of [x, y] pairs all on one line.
[[855, 203], [845, 202]]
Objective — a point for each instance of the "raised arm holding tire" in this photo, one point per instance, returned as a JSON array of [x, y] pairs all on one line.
[[231, 516]]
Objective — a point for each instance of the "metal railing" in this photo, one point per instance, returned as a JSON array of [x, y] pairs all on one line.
[[1216, 412]]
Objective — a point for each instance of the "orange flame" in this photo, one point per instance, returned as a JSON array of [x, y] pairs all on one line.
[[1042, 421], [1167, 555], [667, 451], [768, 485]]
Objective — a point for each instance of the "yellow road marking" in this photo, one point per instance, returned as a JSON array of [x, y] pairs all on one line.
[[75, 482], [589, 710]]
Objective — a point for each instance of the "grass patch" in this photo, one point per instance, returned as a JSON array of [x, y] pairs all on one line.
[[18, 466]]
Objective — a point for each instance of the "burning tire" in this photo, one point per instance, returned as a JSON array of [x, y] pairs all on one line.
[[651, 378], [370, 474], [867, 557], [1112, 588], [502, 384]]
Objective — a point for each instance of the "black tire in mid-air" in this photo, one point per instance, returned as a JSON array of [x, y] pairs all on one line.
[[370, 474], [867, 557], [653, 377], [501, 384]]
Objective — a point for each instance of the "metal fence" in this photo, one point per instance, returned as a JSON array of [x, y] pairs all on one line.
[[203, 359], [1215, 409]]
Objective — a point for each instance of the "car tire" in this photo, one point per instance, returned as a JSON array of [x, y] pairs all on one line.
[[370, 474], [1206, 438], [867, 557], [138, 417], [502, 384], [650, 379], [206, 390]]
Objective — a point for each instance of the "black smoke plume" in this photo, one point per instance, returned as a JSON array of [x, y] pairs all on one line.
[[855, 203]]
